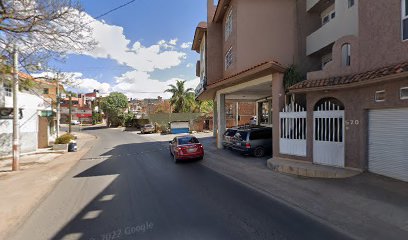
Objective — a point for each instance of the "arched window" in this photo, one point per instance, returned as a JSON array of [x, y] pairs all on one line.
[[346, 54]]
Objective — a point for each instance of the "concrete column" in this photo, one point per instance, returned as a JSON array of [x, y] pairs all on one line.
[[221, 121], [237, 114], [278, 102], [215, 117]]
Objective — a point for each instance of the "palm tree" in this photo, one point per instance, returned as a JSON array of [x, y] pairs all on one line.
[[181, 98]]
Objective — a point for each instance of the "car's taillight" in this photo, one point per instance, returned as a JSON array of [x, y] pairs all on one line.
[[247, 145]]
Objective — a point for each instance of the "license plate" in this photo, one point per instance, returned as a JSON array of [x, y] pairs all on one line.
[[238, 144], [192, 150]]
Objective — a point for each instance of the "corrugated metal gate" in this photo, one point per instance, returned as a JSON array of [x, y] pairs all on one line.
[[387, 144]]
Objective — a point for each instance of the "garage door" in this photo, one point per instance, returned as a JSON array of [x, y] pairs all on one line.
[[388, 143]]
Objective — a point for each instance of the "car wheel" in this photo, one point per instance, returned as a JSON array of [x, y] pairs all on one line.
[[259, 152]]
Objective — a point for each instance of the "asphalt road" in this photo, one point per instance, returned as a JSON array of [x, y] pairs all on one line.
[[127, 187]]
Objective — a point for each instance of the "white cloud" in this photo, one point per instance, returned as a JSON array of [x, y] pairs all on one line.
[[189, 65], [112, 43], [173, 41], [76, 82], [186, 45], [139, 85]]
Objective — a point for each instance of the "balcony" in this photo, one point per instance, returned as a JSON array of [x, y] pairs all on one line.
[[318, 5], [345, 23]]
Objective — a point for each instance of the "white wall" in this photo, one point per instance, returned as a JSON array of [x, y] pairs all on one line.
[[28, 125]]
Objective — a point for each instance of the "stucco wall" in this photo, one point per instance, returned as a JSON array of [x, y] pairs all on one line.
[[28, 126], [265, 31], [357, 101], [380, 34]]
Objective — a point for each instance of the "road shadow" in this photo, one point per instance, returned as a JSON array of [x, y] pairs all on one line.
[[116, 212]]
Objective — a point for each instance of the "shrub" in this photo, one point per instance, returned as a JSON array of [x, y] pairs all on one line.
[[64, 139]]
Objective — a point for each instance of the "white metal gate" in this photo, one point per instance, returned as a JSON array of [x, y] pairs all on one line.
[[328, 140], [292, 130]]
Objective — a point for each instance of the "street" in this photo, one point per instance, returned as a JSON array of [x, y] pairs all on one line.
[[127, 187]]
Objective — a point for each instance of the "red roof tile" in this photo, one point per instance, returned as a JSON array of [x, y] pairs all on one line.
[[354, 78], [247, 70]]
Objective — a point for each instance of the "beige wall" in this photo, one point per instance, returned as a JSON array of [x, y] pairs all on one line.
[[380, 34], [378, 43], [265, 31]]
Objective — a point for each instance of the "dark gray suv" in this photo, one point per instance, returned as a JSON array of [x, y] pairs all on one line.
[[253, 141]]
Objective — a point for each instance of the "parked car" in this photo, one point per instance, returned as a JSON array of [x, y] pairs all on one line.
[[75, 122], [147, 128], [252, 120], [228, 137], [185, 148], [253, 141]]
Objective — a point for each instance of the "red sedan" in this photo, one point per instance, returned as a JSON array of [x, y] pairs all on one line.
[[186, 148]]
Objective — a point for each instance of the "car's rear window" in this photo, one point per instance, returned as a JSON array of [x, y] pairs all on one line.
[[241, 135], [187, 140]]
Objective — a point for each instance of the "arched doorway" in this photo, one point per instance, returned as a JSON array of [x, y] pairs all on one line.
[[328, 132]]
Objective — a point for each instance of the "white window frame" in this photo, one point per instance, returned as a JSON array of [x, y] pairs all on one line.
[[8, 89], [376, 95], [229, 58], [228, 25], [404, 16], [403, 97], [346, 59]]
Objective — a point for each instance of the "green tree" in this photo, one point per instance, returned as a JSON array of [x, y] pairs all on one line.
[[181, 97], [114, 107]]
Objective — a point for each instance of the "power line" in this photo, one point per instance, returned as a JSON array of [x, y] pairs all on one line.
[[114, 9]]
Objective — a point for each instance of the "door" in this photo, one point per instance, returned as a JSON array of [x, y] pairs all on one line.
[[328, 139], [42, 132], [387, 142]]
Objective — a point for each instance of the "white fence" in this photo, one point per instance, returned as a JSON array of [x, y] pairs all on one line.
[[292, 130]]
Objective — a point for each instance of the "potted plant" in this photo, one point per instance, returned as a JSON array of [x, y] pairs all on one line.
[[61, 143]]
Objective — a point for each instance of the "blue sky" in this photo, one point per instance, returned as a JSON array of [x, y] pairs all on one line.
[[156, 60]]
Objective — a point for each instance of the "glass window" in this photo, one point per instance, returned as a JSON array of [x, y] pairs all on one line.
[[45, 91], [241, 135], [404, 93], [228, 25], [350, 3], [8, 89], [380, 96], [346, 54], [228, 58], [187, 140]]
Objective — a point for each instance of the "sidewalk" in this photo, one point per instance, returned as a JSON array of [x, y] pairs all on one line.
[[366, 206], [22, 191]]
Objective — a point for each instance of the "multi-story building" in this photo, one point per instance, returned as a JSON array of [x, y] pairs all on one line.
[[351, 109]]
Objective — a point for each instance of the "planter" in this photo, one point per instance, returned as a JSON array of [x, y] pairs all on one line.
[[60, 147]]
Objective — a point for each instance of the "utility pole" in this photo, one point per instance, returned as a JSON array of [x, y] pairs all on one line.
[[70, 113], [16, 127], [58, 106]]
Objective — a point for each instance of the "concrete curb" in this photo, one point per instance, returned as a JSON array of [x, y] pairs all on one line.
[[56, 171], [303, 169]]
